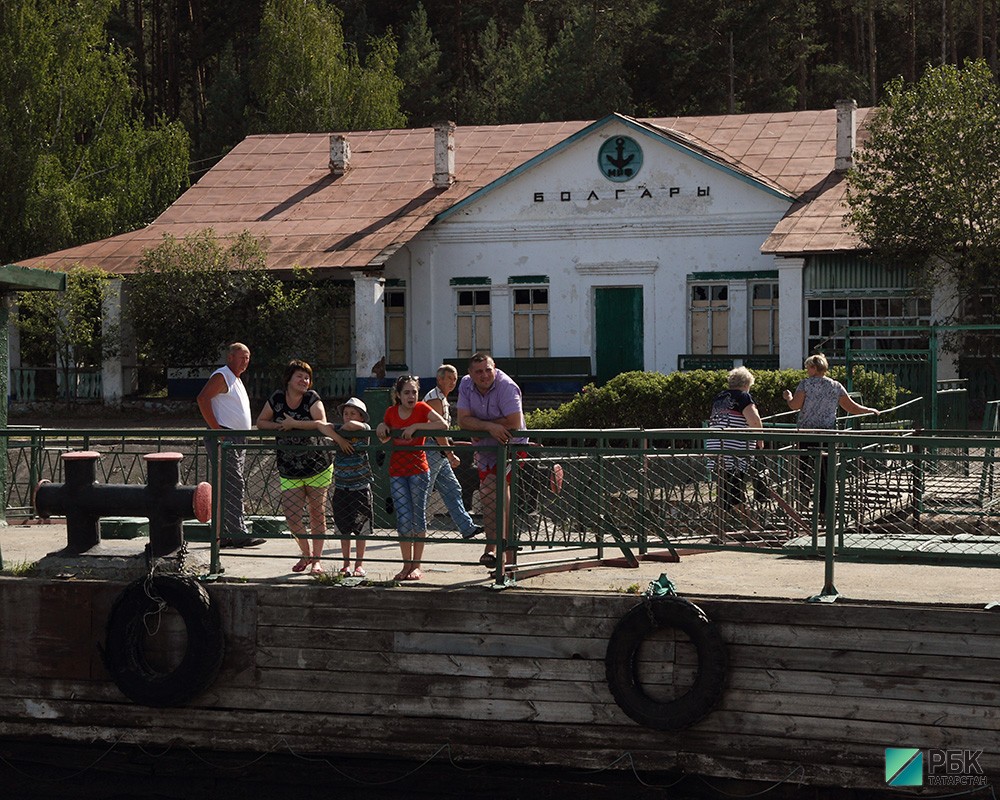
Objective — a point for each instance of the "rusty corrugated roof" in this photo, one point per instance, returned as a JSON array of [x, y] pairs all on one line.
[[280, 186]]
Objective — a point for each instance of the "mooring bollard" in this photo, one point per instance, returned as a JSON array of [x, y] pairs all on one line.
[[83, 501]]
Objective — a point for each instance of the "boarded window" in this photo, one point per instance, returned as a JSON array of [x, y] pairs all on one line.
[[709, 312], [474, 323], [531, 321], [395, 326]]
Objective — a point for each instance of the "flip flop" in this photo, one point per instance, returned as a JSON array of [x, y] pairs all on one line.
[[315, 569], [359, 572], [301, 564], [400, 576], [414, 575]]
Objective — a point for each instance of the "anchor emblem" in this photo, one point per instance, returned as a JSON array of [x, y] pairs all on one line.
[[620, 158]]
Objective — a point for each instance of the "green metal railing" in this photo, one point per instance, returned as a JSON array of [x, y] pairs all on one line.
[[581, 495]]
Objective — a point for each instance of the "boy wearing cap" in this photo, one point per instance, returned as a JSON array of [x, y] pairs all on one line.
[[443, 463], [352, 477]]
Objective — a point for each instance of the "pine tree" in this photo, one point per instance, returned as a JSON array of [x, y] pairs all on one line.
[[426, 97]]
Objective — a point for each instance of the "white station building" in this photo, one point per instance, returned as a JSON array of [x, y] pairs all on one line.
[[567, 249]]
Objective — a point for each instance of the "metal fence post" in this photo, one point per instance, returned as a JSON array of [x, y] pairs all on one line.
[[214, 442], [829, 592], [500, 494]]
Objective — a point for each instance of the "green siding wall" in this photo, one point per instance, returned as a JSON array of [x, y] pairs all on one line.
[[837, 272]]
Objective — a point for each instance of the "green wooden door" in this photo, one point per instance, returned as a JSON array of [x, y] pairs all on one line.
[[618, 326]]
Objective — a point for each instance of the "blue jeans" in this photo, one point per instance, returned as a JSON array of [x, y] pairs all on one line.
[[409, 496], [443, 479]]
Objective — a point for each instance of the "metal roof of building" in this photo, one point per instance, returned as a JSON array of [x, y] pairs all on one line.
[[281, 186]]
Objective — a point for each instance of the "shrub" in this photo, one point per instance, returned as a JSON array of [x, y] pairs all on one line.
[[683, 399]]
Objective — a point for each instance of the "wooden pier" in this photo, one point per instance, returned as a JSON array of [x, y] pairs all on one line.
[[814, 691]]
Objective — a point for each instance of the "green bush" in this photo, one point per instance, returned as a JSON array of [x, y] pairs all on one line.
[[683, 399]]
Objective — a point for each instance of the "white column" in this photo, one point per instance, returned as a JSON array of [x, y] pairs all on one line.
[[791, 313], [502, 320], [943, 299], [369, 322], [112, 379]]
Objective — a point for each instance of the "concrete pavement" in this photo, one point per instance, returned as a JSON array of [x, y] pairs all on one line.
[[702, 574]]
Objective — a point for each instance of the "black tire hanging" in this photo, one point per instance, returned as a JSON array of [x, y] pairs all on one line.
[[124, 650], [622, 668]]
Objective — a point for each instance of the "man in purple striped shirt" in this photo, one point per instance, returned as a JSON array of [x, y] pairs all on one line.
[[490, 401]]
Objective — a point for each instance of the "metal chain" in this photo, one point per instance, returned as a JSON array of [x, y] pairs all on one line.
[[647, 602], [152, 626]]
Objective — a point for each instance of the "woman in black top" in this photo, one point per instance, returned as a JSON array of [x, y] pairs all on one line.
[[305, 474]]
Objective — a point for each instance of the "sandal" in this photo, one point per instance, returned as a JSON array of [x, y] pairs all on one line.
[[488, 560], [415, 575], [316, 569], [359, 572], [301, 564], [345, 571]]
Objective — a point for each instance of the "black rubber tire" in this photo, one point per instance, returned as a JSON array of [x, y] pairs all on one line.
[[621, 667], [124, 650]]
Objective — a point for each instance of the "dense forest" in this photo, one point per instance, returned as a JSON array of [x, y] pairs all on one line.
[[491, 61], [108, 108]]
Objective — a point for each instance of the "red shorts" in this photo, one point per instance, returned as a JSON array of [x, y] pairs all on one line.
[[485, 473]]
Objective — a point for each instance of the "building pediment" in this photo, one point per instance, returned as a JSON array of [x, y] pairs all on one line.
[[623, 168]]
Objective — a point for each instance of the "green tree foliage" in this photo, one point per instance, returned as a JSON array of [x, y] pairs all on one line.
[[925, 190], [65, 327], [683, 399], [677, 57], [585, 76], [426, 96], [307, 78], [509, 73], [225, 110], [79, 162], [192, 296]]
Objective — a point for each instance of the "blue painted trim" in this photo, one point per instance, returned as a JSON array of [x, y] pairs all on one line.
[[628, 122]]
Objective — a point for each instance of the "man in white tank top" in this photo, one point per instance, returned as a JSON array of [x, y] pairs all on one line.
[[224, 404]]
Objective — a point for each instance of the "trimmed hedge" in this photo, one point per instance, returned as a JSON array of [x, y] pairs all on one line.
[[683, 399]]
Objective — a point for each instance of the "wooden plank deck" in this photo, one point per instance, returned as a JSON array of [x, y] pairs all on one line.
[[518, 677]]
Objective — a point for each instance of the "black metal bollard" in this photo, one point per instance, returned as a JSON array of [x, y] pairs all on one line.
[[83, 501]]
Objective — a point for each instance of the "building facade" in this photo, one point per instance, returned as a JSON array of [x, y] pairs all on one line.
[[621, 243]]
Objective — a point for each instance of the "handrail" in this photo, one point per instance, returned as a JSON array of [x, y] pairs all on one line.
[[615, 486]]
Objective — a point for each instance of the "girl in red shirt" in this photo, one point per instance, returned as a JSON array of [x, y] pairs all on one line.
[[409, 473]]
